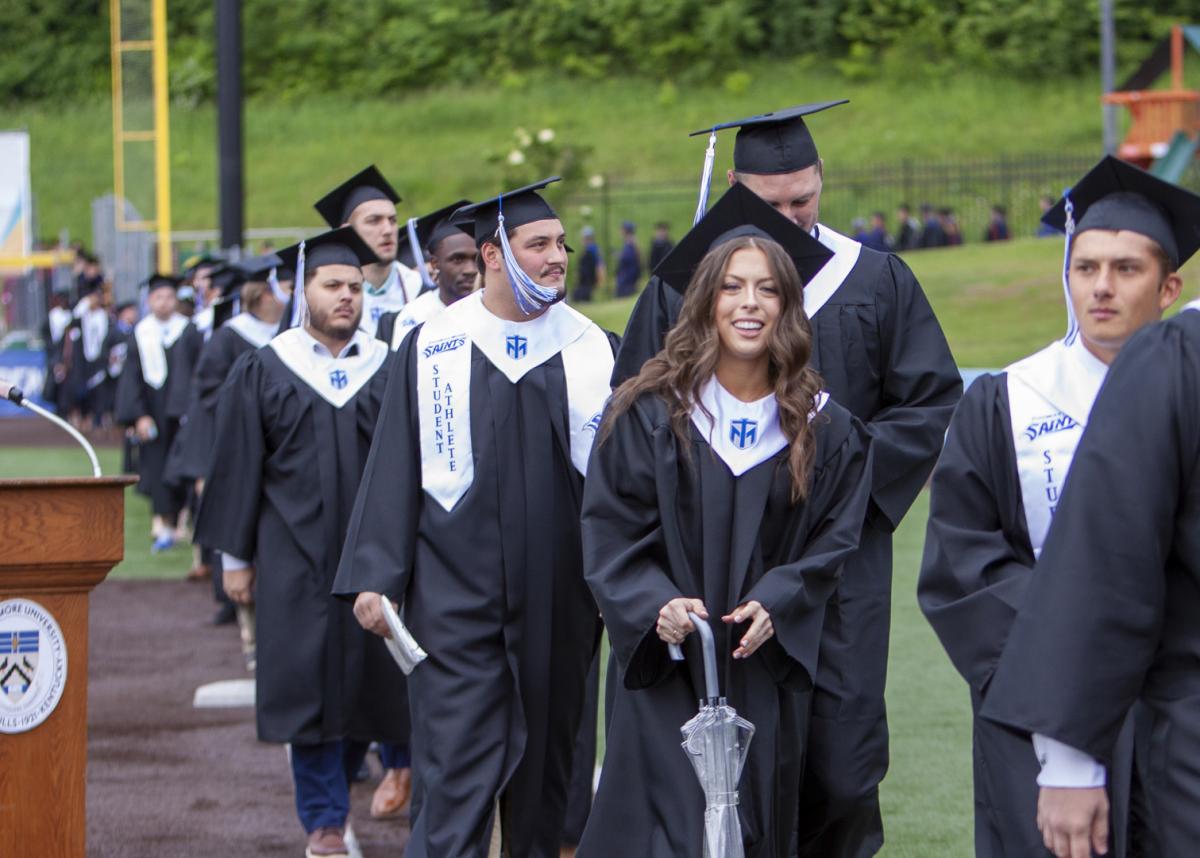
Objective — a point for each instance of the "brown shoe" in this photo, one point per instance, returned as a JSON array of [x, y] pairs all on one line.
[[326, 843], [393, 794]]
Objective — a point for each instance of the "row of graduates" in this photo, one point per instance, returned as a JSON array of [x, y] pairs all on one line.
[[448, 477]]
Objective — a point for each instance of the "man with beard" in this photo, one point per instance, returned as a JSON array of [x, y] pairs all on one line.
[[450, 253], [294, 424], [884, 357], [486, 429], [367, 203]]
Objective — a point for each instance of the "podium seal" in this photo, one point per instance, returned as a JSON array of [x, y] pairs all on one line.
[[33, 665]]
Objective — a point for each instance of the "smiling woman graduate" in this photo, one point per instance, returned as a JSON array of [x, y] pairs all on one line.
[[724, 482]]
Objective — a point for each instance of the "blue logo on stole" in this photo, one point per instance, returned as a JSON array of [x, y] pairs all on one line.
[[1039, 426], [517, 346], [339, 379], [743, 432], [376, 313]]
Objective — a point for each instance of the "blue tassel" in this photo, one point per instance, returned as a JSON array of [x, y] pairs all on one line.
[[1072, 322], [531, 297], [706, 177], [299, 304], [419, 254]]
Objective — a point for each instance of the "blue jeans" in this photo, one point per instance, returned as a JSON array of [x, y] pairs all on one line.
[[322, 774]]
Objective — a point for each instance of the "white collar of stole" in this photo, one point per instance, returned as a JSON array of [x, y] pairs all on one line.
[[834, 272], [153, 339], [334, 379], [253, 329], [444, 382]]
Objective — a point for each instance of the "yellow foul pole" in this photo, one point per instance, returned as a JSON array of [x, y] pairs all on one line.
[[162, 139]]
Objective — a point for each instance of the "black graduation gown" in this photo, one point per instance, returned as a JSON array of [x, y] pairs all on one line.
[[135, 399], [977, 566], [387, 325], [193, 448], [494, 592], [656, 527], [1113, 614], [284, 470], [883, 357]]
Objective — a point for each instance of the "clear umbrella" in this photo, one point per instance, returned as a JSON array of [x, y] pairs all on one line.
[[716, 741]]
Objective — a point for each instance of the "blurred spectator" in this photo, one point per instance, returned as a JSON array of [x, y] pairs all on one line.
[[877, 237], [629, 263], [950, 227], [997, 229], [591, 267], [909, 232], [661, 245], [858, 230], [932, 232], [1045, 230]]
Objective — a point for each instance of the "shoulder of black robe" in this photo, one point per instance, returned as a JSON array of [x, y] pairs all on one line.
[[920, 387], [978, 559], [131, 402], [378, 553], [653, 314], [387, 325], [1100, 609], [196, 439], [624, 542], [229, 508]]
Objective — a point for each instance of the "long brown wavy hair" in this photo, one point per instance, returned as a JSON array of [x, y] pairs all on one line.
[[693, 347]]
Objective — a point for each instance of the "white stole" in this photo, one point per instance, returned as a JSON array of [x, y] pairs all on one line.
[[253, 329], [417, 311], [1194, 305], [94, 325], [742, 434], [390, 297], [444, 382], [1050, 396], [834, 272], [153, 339], [59, 318], [334, 379]]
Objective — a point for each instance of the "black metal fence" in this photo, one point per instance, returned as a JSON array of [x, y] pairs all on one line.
[[970, 188]]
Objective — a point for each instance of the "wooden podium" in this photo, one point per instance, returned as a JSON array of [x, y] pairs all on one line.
[[59, 538]]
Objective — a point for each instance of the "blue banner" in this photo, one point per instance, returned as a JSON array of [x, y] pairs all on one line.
[[27, 370]]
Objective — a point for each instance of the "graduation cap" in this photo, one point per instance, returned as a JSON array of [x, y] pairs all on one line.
[[519, 207], [1115, 195], [341, 246], [427, 230], [492, 219], [161, 281], [769, 143], [740, 212], [364, 186], [200, 260]]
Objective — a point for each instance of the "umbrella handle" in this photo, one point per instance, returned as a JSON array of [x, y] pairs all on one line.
[[712, 686]]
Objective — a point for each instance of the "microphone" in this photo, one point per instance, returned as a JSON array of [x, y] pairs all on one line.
[[16, 396]]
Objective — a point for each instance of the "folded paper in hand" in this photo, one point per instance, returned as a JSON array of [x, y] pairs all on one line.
[[402, 645]]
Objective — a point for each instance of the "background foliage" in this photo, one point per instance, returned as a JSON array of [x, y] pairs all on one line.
[[59, 48]]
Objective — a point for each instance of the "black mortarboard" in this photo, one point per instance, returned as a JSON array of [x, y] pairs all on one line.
[[431, 228], [160, 281], [369, 184], [283, 272], [257, 268], [336, 247], [776, 142], [741, 212], [227, 278], [1116, 195], [520, 206]]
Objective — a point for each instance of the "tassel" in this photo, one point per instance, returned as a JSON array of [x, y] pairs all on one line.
[[299, 304], [419, 255], [1072, 322], [706, 177], [531, 298]]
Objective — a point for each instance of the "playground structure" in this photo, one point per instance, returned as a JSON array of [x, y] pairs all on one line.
[[1165, 131]]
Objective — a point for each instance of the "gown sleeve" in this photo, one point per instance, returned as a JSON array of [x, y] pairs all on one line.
[[1094, 619], [977, 563], [386, 326], [131, 402], [229, 508], [796, 591], [920, 387], [380, 545], [624, 555], [655, 312]]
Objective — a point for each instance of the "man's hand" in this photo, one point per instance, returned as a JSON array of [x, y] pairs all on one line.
[[761, 630], [144, 427], [368, 610], [1073, 821], [239, 585], [674, 624]]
